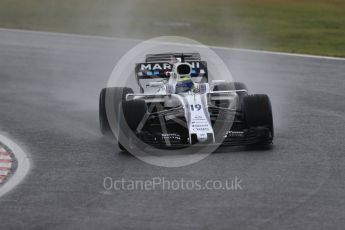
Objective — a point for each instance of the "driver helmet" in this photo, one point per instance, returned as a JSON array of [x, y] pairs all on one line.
[[184, 84]]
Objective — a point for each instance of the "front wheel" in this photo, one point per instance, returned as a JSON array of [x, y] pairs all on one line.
[[257, 113], [131, 118]]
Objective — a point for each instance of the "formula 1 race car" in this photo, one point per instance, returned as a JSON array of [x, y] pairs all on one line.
[[177, 107]]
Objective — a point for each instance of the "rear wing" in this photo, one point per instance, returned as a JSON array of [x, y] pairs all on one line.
[[157, 66], [150, 70], [170, 57]]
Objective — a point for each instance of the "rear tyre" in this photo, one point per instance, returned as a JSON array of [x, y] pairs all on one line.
[[257, 112], [103, 119], [111, 100], [224, 86]]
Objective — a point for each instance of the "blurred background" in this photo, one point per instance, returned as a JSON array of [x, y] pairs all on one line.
[[301, 26]]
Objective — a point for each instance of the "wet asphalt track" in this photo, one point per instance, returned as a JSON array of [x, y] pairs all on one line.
[[49, 87]]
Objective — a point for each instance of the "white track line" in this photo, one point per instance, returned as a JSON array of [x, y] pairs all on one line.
[[23, 165], [213, 47]]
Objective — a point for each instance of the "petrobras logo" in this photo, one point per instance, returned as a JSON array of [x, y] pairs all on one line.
[[164, 66]]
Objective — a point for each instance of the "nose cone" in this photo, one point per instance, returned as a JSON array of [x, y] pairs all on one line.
[[202, 137], [205, 137]]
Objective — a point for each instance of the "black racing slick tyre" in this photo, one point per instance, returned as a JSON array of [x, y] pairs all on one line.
[[257, 112]]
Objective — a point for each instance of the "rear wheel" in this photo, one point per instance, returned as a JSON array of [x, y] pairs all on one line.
[[257, 112], [111, 102], [103, 120], [228, 85]]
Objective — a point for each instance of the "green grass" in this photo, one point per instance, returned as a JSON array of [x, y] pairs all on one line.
[[303, 26]]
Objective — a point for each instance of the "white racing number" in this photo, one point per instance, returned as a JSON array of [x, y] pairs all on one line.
[[199, 123], [196, 107]]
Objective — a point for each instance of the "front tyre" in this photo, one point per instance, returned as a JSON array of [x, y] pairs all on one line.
[[257, 113], [131, 118]]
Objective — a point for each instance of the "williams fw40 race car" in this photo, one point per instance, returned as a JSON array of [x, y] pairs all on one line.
[[178, 107]]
